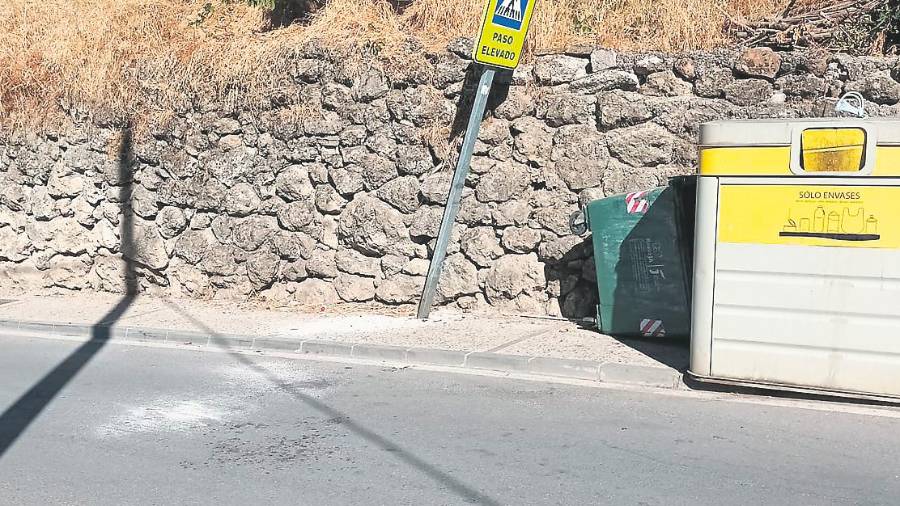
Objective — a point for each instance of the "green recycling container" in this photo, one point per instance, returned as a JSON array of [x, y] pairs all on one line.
[[643, 251]]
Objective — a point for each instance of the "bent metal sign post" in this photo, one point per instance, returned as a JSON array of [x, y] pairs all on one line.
[[499, 45]]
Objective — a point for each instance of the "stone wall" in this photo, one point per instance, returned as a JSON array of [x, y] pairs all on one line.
[[335, 192]]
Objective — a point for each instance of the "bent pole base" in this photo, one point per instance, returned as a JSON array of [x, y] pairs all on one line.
[[456, 189]]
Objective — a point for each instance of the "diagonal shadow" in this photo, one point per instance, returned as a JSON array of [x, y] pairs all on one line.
[[499, 93], [461, 489], [22, 413]]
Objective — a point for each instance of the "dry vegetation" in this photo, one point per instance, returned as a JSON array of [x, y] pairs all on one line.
[[118, 58]]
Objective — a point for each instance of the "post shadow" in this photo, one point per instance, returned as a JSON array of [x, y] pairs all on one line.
[[27, 408], [466, 100], [466, 492]]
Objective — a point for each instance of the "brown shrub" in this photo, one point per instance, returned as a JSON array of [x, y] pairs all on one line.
[[112, 59]]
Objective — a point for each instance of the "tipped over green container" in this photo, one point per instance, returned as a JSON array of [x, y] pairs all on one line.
[[643, 250]]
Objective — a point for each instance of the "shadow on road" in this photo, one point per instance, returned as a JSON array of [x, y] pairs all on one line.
[[26, 409], [443, 479]]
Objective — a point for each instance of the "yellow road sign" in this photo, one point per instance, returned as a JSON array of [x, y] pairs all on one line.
[[503, 32]]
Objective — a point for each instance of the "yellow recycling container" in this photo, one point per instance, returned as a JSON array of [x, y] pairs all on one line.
[[797, 255]]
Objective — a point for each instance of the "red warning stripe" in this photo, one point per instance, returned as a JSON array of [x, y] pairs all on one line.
[[634, 203], [652, 328]]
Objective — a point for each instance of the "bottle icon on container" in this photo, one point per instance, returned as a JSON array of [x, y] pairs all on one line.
[[819, 219], [872, 225], [834, 222]]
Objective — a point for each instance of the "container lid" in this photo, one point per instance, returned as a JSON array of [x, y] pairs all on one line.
[[780, 132], [821, 147]]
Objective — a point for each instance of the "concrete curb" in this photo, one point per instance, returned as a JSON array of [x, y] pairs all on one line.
[[646, 376]]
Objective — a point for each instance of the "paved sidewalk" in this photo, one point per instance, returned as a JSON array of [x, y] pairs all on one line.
[[503, 343]]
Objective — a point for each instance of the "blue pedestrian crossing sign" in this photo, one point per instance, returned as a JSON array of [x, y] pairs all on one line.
[[503, 30], [510, 13]]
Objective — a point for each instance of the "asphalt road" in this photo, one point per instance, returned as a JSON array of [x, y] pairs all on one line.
[[138, 425]]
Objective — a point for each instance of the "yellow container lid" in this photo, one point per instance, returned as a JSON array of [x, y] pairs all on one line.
[[780, 132], [801, 147]]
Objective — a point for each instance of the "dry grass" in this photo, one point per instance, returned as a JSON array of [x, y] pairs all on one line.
[[116, 58], [113, 59], [626, 24]]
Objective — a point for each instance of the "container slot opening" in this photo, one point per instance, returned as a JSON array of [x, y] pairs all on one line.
[[833, 149]]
